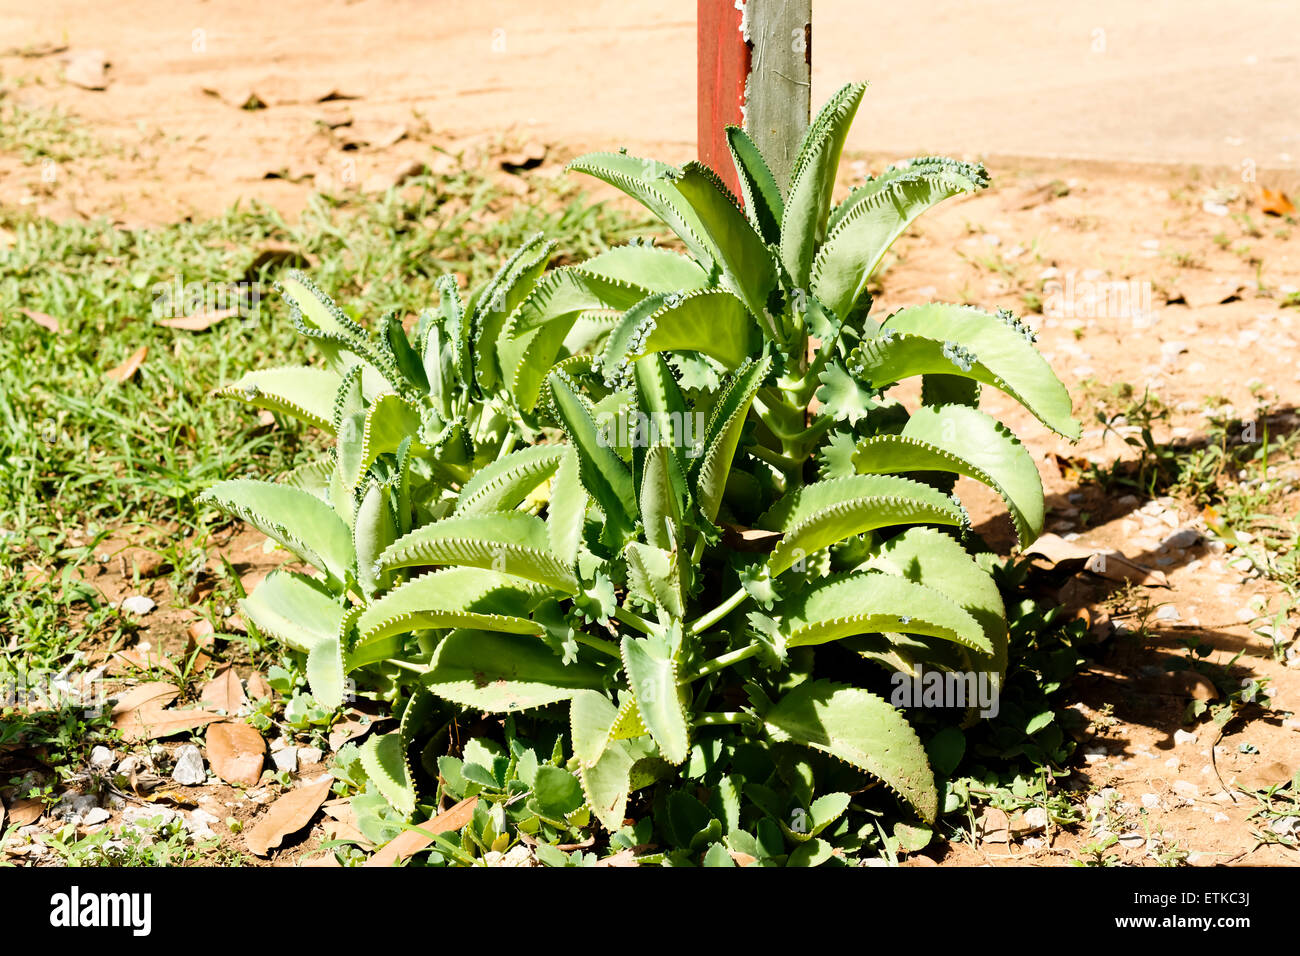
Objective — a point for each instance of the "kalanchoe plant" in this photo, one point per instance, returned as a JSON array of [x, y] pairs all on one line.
[[411, 426], [722, 537]]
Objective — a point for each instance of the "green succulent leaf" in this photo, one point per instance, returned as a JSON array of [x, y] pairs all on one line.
[[992, 349], [504, 673], [468, 597], [712, 322], [723, 433], [512, 542], [383, 757], [964, 441], [531, 340], [929, 557], [870, 602], [843, 519], [294, 609], [748, 268], [803, 224], [647, 266], [852, 251], [602, 471], [863, 730], [494, 305], [654, 185], [325, 671], [652, 677], [304, 393], [764, 203], [293, 518], [504, 484]]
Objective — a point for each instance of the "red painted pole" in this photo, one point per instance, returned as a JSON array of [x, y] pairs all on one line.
[[723, 64]]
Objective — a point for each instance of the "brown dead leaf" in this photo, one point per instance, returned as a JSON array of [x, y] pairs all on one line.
[[47, 322], [86, 69], [1056, 552], [258, 688], [628, 858], [200, 635], [1275, 203], [347, 729], [150, 725], [740, 859], [1199, 289], [128, 368], [25, 812], [148, 660], [409, 842], [236, 752], [994, 827], [338, 830], [224, 692], [286, 816], [1261, 777], [152, 696], [749, 539], [199, 321]]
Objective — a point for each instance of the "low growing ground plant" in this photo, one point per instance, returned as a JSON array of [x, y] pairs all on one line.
[[656, 517]]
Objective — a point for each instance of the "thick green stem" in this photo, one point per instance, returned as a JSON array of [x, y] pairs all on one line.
[[598, 644], [634, 620], [706, 621], [723, 661], [726, 718]]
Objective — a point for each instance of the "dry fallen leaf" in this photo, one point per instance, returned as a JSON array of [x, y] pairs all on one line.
[[288, 815], [147, 660], [1199, 290], [749, 539], [224, 692], [1111, 565], [236, 752], [994, 827], [150, 725], [409, 842], [128, 368], [47, 322], [25, 812], [628, 858], [258, 688], [87, 69], [152, 696], [1261, 777], [200, 321], [1275, 202], [347, 729]]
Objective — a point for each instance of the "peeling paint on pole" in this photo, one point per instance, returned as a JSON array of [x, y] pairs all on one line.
[[754, 70]]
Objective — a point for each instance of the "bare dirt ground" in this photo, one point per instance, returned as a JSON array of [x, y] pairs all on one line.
[[1171, 279]]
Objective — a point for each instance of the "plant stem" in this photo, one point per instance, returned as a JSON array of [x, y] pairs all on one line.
[[723, 660], [721, 719], [597, 644], [706, 621], [634, 620]]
